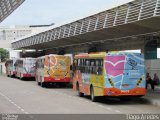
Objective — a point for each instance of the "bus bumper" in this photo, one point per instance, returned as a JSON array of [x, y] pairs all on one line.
[[28, 75], [117, 92], [56, 80]]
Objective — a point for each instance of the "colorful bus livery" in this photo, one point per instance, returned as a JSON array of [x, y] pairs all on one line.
[[53, 69], [25, 68], [10, 67], [124, 74], [112, 74]]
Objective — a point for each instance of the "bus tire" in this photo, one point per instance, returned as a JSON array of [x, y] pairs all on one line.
[[20, 76], [42, 84], [38, 83], [93, 98], [125, 98], [80, 94]]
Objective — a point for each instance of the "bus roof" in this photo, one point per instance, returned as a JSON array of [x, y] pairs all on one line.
[[54, 55], [41, 57], [9, 60], [103, 54], [123, 53], [91, 55], [27, 58], [50, 55]]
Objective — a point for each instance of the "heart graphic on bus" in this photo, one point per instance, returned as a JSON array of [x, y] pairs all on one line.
[[114, 65]]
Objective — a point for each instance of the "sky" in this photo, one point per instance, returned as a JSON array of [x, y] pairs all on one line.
[[37, 12]]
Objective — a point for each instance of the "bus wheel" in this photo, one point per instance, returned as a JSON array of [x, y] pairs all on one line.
[[79, 93], [125, 98], [93, 98], [20, 76], [38, 83], [42, 84]]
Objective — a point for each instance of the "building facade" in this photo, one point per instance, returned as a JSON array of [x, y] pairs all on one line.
[[12, 33]]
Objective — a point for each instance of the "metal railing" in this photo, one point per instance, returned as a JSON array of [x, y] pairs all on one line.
[[7, 7], [124, 14]]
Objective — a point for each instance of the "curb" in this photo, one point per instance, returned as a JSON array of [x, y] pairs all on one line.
[[153, 97], [155, 102]]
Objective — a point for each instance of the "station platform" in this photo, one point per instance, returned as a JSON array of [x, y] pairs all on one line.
[[153, 96]]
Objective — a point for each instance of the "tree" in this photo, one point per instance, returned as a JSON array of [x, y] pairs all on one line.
[[4, 54]]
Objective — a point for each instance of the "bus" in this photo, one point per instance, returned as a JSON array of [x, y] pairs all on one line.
[[53, 69], [10, 67], [71, 65], [115, 74], [25, 68]]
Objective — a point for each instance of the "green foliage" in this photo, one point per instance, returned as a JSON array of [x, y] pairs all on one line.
[[4, 54]]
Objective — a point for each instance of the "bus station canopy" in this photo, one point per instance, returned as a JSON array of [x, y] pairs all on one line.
[[7, 7], [134, 18]]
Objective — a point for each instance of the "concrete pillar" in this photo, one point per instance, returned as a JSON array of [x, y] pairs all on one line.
[[151, 49]]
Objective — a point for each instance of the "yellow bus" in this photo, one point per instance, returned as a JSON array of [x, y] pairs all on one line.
[[52, 69], [109, 74]]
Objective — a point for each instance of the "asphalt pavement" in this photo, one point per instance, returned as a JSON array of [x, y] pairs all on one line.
[[26, 97]]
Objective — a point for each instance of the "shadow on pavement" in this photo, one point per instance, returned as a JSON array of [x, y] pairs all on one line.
[[58, 86], [120, 101]]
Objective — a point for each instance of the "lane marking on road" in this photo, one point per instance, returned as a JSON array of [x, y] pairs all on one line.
[[16, 105], [13, 103], [101, 106], [117, 111], [22, 109], [86, 101], [1, 94], [26, 112], [94, 103], [108, 108]]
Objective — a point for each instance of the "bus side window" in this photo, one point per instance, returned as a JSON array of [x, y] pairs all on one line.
[[83, 66], [99, 66], [49, 62], [79, 65], [38, 64], [92, 66], [100, 70], [86, 65], [42, 64], [78, 61], [74, 65]]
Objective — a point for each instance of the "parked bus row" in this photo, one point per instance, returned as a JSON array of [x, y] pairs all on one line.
[[53, 69], [114, 74], [21, 68], [46, 69]]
